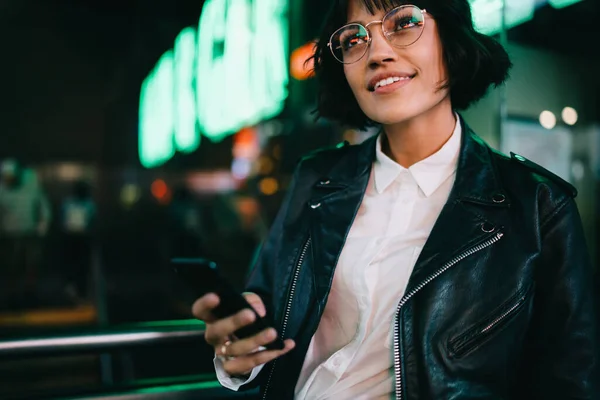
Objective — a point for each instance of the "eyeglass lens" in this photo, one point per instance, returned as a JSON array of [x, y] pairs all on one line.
[[402, 27]]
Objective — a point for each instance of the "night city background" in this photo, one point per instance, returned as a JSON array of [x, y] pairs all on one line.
[[112, 205]]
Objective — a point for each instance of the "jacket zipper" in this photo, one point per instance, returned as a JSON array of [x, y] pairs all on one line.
[[288, 307], [503, 316], [459, 351], [409, 295]]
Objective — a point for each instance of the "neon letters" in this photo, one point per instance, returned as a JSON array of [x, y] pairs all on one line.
[[229, 73]]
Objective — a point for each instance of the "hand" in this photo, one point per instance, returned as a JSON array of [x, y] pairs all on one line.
[[243, 355]]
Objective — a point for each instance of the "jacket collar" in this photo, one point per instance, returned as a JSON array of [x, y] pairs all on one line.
[[429, 174], [337, 198], [477, 178]]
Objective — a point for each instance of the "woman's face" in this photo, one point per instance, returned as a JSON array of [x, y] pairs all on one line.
[[420, 66]]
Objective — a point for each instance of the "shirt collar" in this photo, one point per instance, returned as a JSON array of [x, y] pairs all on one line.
[[429, 173]]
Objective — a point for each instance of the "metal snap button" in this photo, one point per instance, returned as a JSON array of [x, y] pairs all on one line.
[[315, 205], [325, 182], [520, 158], [498, 198], [487, 227]]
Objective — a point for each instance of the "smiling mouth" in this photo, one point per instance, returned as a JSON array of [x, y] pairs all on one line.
[[390, 81]]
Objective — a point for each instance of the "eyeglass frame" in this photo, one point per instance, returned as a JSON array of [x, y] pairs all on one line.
[[370, 37]]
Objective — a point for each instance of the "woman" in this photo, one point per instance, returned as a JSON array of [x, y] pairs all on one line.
[[420, 264]]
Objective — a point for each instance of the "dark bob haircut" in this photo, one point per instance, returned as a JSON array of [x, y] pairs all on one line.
[[474, 61]]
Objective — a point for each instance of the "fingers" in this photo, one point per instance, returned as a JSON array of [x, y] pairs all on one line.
[[256, 302], [243, 365], [251, 344], [244, 352], [217, 331], [204, 305]]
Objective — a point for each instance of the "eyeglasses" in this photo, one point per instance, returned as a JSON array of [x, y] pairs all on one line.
[[401, 26]]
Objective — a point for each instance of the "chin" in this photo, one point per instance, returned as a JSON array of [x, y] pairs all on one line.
[[395, 112], [392, 116]]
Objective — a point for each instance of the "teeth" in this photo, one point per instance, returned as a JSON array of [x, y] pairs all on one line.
[[389, 81]]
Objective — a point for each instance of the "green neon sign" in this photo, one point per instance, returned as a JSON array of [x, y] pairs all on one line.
[[487, 14], [562, 3], [156, 144], [167, 106], [184, 123], [229, 73]]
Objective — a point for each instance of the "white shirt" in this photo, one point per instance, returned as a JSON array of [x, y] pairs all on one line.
[[351, 353]]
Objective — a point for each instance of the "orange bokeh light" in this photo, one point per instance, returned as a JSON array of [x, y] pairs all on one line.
[[268, 186], [159, 189], [300, 69], [245, 143]]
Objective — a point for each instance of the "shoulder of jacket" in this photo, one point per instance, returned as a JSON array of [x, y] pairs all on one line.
[[328, 154], [526, 164]]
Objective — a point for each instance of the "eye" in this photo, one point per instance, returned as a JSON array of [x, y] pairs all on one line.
[[350, 41], [406, 23]]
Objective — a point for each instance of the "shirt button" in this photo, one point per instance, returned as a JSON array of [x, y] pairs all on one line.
[[336, 362]]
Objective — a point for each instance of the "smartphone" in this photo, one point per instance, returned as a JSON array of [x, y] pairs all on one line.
[[202, 276]]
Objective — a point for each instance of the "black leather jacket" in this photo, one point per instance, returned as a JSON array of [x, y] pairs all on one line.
[[499, 305]]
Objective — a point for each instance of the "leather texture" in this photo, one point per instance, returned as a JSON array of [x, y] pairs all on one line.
[[502, 304]]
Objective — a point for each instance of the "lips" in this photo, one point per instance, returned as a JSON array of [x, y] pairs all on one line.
[[382, 80]]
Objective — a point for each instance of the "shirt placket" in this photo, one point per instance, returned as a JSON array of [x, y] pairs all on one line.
[[405, 193], [364, 281]]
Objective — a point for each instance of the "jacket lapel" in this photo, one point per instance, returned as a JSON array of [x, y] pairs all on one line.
[[334, 203], [473, 213]]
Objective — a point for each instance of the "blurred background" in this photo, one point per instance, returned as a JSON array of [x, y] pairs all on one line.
[[134, 131]]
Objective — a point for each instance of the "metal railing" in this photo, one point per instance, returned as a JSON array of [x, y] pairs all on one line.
[[110, 342], [102, 340], [120, 339]]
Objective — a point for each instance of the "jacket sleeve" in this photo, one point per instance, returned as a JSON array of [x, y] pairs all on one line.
[[260, 280], [563, 347]]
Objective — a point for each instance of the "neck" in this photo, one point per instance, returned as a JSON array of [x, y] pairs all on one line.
[[411, 141]]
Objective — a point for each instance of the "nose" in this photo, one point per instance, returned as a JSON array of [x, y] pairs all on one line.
[[380, 50]]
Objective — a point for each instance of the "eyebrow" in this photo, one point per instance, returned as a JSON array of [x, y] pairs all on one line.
[[363, 23], [425, 15], [355, 22]]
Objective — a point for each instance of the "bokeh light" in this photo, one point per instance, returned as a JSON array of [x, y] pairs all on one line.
[[548, 119], [569, 115]]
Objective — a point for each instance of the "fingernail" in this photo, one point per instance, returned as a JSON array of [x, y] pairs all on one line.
[[270, 333], [211, 297]]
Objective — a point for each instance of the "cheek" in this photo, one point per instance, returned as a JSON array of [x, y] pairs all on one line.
[[352, 77], [431, 56], [432, 68], [440, 64]]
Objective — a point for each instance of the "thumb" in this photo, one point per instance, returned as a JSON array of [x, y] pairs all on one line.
[[256, 302]]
